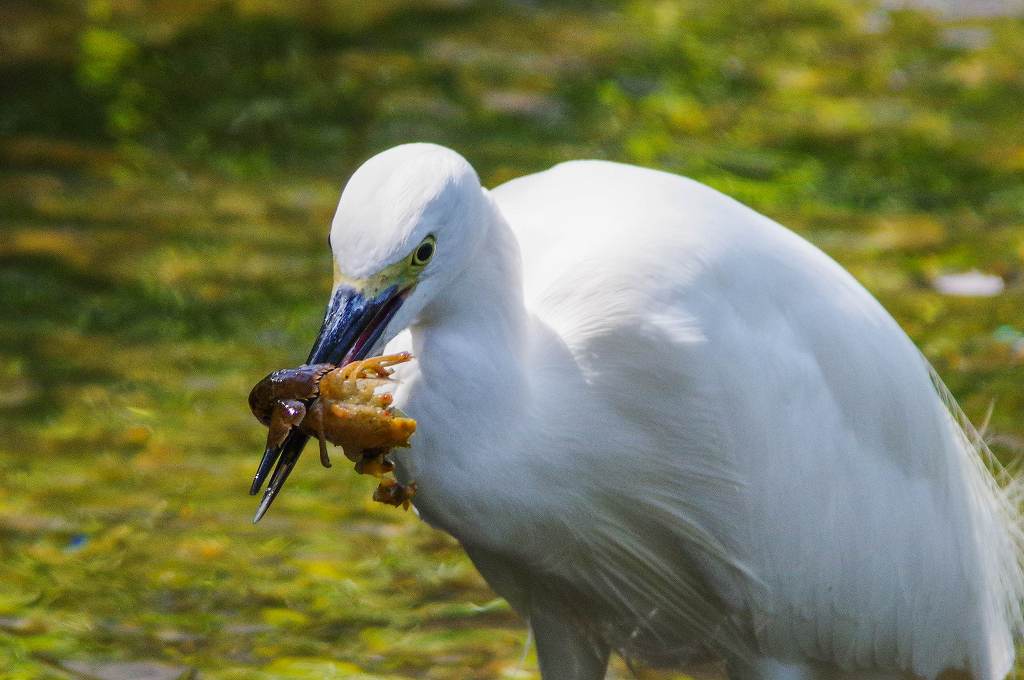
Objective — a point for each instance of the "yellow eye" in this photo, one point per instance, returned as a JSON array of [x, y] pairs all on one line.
[[424, 251]]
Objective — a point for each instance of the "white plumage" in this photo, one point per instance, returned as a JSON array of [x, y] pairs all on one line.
[[664, 425]]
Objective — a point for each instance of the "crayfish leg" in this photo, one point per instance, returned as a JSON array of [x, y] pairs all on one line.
[[374, 462], [325, 460], [391, 492]]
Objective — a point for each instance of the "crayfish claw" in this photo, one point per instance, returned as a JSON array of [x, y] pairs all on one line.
[[287, 414]]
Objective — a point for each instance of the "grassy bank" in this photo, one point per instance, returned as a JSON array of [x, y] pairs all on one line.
[[168, 174]]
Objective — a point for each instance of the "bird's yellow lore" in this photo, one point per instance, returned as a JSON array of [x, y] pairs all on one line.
[[341, 405]]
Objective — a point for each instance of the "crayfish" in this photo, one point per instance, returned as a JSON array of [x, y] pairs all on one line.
[[340, 405]]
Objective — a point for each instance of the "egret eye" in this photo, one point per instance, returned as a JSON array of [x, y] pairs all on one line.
[[424, 251]]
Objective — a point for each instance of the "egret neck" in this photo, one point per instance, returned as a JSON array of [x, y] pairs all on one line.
[[471, 345]]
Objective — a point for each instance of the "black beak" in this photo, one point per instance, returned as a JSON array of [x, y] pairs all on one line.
[[353, 325]]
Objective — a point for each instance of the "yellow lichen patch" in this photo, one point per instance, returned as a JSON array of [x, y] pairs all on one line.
[[63, 244], [201, 548], [279, 616], [301, 667], [322, 569], [135, 435], [906, 232]]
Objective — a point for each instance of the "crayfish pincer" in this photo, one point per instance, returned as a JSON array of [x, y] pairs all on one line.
[[341, 405]]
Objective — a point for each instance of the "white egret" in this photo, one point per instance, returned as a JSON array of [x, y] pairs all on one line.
[[663, 425]]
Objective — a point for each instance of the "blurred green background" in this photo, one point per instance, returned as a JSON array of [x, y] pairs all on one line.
[[168, 170]]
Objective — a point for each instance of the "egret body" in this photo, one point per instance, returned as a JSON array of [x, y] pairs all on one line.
[[663, 425]]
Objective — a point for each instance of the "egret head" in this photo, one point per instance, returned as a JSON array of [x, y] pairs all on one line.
[[407, 223]]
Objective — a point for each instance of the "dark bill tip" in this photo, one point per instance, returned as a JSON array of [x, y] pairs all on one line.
[[269, 458], [290, 452]]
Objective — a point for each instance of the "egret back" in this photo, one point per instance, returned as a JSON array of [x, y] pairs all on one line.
[[789, 443]]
